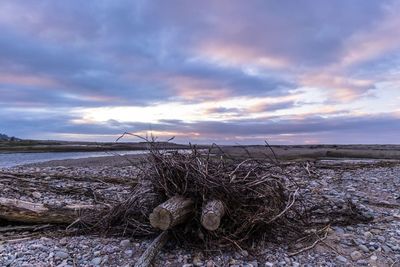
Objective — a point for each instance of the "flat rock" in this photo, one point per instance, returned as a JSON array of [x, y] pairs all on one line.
[[341, 258], [61, 255], [125, 243], [363, 248], [96, 261], [356, 255]]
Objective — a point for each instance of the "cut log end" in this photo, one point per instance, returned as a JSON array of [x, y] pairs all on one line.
[[161, 218], [172, 212], [212, 213], [211, 221]]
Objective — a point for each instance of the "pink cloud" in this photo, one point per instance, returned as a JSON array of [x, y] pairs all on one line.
[[339, 87], [26, 79], [238, 55], [381, 39]]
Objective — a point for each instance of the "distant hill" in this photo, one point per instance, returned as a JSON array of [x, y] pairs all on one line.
[[4, 137]]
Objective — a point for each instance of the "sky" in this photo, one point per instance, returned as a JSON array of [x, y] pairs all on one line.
[[226, 71]]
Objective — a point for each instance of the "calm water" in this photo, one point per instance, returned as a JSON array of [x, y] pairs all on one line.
[[13, 159]]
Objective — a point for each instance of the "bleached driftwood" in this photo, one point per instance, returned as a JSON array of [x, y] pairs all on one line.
[[212, 213], [153, 249], [172, 212], [29, 212]]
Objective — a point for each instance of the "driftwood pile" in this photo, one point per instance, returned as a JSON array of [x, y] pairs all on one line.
[[205, 199], [201, 198]]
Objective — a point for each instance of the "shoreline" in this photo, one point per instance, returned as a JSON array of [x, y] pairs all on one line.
[[283, 153], [110, 161], [17, 159]]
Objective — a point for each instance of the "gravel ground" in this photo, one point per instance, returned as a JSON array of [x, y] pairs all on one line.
[[372, 184]]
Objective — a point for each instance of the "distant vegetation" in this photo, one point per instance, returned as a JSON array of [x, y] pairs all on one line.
[[4, 137]]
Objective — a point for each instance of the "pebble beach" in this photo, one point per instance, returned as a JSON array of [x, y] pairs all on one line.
[[372, 185]]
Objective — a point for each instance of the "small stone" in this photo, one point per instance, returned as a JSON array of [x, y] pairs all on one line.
[[339, 230], [386, 249], [232, 261], [254, 263], [96, 253], [362, 262], [269, 264], [180, 258], [373, 246], [210, 264], [187, 258], [355, 255], [39, 246], [61, 255], [109, 249], [187, 265], [238, 255], [381, 239], [36, 195], [42, 256], [359, 241], [197, 261], [96, 261], [341, 258], [363, 248], [373, 258], [244, 253], [125, 243], [295, 264], [63, 241], [105, 259], [128, 252], [368, 235]]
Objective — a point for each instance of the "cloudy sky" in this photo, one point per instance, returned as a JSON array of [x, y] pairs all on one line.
[[293, 72]]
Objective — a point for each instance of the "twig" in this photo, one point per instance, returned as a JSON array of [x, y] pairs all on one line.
[[287, 207], [310, 247], [153, 249]]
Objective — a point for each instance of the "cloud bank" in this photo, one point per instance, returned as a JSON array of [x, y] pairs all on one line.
[[209, 71]]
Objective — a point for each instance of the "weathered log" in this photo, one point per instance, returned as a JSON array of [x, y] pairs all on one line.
[[172, 212], [212, 213], [154, 248], [28, 212], [24, 228]]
